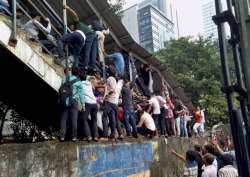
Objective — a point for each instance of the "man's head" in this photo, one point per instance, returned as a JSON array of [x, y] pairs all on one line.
[[83, 76], [19, 13], [75, 71], [112, 71], [208, 148], [126, 83], [190, 155], [208, 159], [140, 112], [228, 159], [68, 71], [72, 27], [198, 148], [35, 16]]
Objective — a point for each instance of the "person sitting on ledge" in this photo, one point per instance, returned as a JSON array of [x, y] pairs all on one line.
[[146, 124]]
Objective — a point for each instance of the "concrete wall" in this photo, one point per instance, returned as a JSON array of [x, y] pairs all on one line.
[[53, 159]]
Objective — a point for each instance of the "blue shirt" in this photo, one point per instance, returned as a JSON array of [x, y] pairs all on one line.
[[118, 60]]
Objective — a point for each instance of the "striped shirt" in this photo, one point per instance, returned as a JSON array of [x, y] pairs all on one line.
[[228, 171]]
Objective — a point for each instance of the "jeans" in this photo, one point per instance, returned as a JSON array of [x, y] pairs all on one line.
[[196, 127], [183, 128], [92, 110], [110, 115], [130, 122], [76, 40], [189, 128], [89, 52], [171, 126], [73, 113], [162, 121], [145, 131]]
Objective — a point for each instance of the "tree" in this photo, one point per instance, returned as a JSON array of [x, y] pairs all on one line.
[[195, 63]]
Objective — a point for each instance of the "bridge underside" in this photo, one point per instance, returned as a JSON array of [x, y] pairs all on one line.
[[26, 92]]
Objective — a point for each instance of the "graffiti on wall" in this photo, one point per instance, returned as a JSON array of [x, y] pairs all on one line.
[[120, 160]]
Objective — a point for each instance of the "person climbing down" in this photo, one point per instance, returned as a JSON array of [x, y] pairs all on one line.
[[76, 39]]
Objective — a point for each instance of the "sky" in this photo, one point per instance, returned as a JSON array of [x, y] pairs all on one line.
[[190, 16]]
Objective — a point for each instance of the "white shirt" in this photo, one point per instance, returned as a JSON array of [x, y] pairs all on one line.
[[155, 104], [82, 34], [88, 92], [228, 171], [209, 171], [148, 121], [118, 91], [203, 116]]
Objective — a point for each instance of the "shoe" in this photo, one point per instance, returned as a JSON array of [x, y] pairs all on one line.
[[103, 139], [95, 139], [129, 136], [89, 139], [74, 139], [120, 137], [135, 136], [61, 139]]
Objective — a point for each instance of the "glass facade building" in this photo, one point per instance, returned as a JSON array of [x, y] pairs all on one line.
[[208, 11], [155, 29]]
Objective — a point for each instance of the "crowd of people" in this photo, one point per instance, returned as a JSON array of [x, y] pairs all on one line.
[[124, 110], [91, 86], [214, 159]]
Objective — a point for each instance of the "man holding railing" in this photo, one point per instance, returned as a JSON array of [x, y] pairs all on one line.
[[89, 52], [76, 39]]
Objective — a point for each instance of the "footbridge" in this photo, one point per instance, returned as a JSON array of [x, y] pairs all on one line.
[[29, 78]]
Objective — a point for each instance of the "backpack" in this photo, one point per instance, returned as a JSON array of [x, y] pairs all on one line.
[[66, 93]]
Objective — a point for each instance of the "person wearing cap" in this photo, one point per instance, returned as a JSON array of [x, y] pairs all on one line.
[[228, 170]]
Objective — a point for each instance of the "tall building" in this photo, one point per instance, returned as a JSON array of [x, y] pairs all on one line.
[[208, 10], [150, 23], [130, 21], [155, 29], [159, 4]]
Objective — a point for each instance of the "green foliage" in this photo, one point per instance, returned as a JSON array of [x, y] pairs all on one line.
[[195, 63]]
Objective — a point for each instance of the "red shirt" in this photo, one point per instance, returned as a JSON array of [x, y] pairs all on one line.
[[197, 117]]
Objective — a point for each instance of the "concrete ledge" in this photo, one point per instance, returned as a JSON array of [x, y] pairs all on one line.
[[54, 159]]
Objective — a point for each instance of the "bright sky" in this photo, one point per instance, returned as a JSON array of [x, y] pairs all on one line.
[[190, 16]]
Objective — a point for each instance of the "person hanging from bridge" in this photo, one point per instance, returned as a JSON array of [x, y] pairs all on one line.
[[118, 59], [39, 29], [6, 7], [88, 53], [76, 39]]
